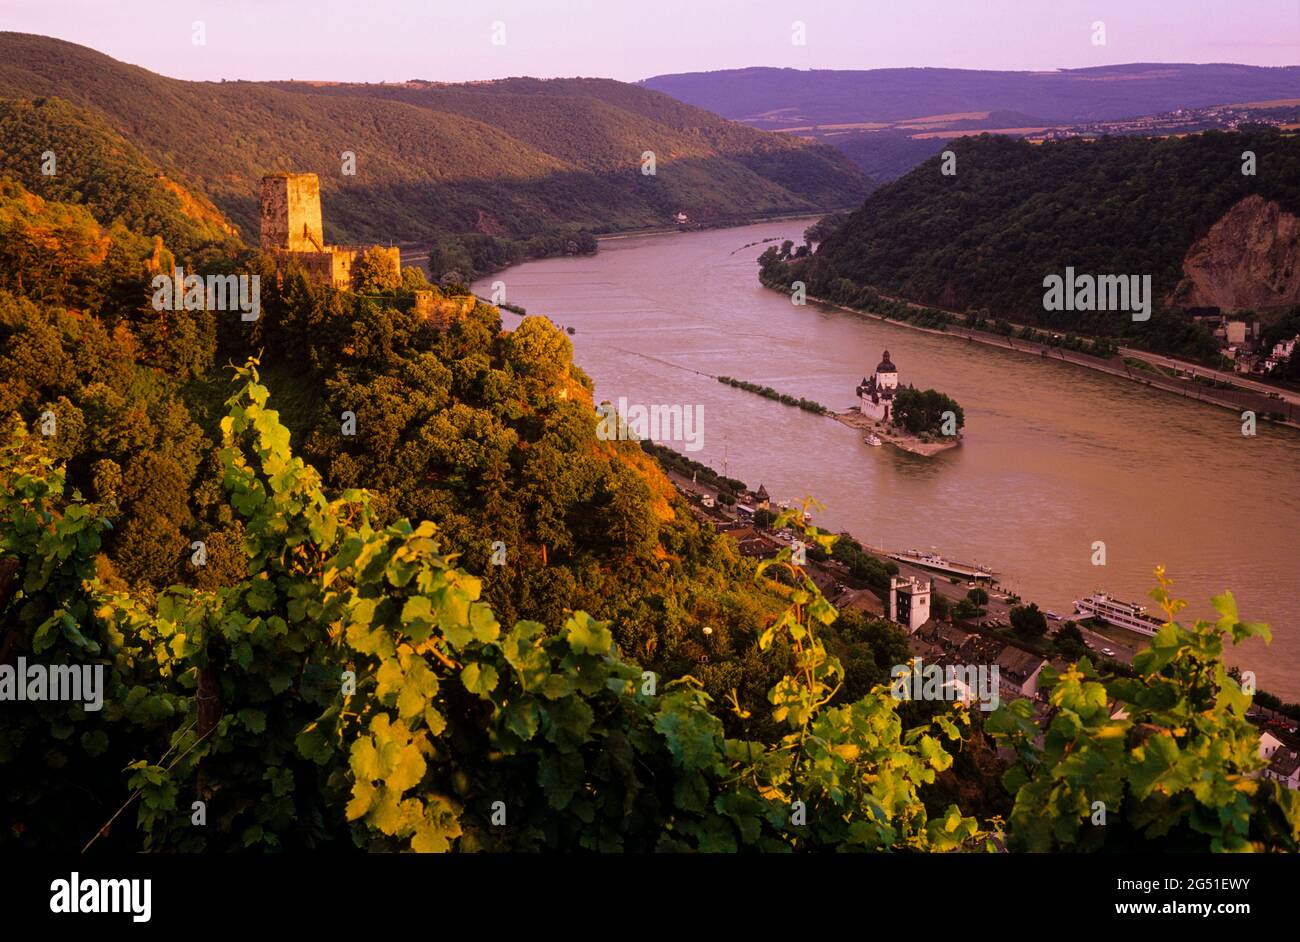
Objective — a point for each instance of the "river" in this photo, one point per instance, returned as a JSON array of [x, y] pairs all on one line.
[[1055, 457]]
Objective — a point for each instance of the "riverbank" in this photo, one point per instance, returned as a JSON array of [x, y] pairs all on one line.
[[720, 224], [1237, 399], [417, 253]]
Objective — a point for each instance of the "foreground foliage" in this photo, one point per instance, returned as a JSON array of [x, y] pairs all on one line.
[[354, 689], [1165, 757]]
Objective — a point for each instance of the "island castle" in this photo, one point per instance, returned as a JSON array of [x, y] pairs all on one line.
[[876, 392], [292, 230]]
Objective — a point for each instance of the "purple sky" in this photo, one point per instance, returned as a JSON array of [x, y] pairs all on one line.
[[451, 40]]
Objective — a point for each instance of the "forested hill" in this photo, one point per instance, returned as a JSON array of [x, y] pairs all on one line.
[[91, 164], [1014, 213], [513, 158]]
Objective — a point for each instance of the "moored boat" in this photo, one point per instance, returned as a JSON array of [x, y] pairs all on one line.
[[1101, 606], [935, 561]]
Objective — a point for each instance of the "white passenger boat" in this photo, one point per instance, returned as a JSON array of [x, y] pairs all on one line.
[[1101, 606]]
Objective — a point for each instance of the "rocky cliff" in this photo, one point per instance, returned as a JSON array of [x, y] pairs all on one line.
[[1250, 258]]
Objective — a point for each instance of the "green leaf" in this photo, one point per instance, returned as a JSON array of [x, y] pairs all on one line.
[[479, 679], [417, 617], [254, 720], [588, 636]]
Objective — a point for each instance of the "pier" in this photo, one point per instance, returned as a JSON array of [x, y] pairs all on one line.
[[937, 563]]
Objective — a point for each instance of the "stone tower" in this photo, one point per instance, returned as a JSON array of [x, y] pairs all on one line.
[[291, 218], [909, 602]]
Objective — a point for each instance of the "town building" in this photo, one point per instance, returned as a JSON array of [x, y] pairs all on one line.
[[1268, 745], [1018, 672], [861, 600], [1284, 767], [876, 392], [752, 543]]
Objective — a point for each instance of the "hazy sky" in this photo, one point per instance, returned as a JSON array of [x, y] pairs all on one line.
[[452, 40]]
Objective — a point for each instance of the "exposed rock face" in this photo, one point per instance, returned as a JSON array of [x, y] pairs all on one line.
[[1250, 258], [199, 208]]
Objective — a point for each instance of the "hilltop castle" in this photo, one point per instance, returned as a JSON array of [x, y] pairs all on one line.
[[292, 230], [876, 392]]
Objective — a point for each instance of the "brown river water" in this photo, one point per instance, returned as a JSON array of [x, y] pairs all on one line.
[[1055, 456]]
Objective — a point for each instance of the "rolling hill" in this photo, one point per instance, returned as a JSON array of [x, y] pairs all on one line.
[[518, 157], [781, 98], [1015, 212], [889, 120]]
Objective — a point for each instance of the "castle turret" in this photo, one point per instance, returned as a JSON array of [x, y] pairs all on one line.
[[887, 373]]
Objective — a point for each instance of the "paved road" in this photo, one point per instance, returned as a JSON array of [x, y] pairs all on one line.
[[1197, 370], [1246, 393]]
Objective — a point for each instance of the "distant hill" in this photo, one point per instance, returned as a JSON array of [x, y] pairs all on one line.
[[889, 120], [517, 157], [1016, 212], [790, 97]]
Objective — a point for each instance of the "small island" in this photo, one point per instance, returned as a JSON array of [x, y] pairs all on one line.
[[922, 422]]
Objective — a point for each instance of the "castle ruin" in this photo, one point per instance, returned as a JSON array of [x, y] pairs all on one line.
[[292, 230]]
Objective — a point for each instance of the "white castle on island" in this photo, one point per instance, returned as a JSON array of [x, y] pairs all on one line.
[[876, 392]]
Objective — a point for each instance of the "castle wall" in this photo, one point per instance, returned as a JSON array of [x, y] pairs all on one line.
[[442, 311], [875, 410], [317, 266]]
